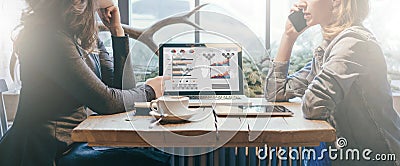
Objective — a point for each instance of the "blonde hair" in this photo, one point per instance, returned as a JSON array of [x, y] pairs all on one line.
[[349, 13]]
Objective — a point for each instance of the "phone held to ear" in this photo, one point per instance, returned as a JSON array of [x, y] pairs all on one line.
[[106, 3], [298, 21]]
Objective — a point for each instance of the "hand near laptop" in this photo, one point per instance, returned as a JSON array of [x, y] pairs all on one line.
[[157, 84]]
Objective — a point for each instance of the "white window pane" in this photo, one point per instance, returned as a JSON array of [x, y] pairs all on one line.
[[384, 22], [145, 13], [251, 13]]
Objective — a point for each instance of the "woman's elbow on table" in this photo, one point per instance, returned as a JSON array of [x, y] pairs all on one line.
[[116, 101], [276, 98], [107, 108], [313, 111], [272, 94]]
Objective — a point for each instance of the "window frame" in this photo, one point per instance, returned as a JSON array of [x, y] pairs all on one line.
[[125, 8]]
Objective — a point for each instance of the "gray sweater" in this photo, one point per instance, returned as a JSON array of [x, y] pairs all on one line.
[[58, 82], [345, 84]]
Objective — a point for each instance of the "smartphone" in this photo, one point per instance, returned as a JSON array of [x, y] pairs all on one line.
[[106, 3], [297, 20]]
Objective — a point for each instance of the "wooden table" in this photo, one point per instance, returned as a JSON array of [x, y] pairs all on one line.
[[127, 130]]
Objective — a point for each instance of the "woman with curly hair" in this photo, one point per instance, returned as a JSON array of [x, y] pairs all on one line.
[[65, 69]]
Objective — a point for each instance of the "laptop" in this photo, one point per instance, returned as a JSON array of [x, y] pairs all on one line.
[[208, 73]]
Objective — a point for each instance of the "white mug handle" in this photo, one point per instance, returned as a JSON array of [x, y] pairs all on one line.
[[152, 107]]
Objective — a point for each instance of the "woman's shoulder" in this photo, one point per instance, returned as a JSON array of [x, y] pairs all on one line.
[[60, 39], [47, 44], [354, 42], [355, 34], [44, 38], [359, 32]]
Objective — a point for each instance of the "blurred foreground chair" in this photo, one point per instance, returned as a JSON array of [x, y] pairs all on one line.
[[3, 116], [396, 101]]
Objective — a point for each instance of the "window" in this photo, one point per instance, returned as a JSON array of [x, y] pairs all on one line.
[[266, 18], [143, 14], [251, 12], [146, 12], [246, 23], [10, 12], [383, 22], [254, 13]]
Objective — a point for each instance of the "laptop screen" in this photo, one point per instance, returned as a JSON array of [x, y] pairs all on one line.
[[202, 68]]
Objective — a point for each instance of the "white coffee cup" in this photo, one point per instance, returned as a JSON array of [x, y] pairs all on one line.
[[171, 105]]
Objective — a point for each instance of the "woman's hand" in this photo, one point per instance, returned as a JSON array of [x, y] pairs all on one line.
[[290, 36], [112, 20], [157, 84]]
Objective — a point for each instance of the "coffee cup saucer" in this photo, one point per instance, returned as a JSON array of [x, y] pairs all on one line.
[[171, 117]]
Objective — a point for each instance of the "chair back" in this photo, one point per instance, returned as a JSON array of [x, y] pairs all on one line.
[[3, 116]]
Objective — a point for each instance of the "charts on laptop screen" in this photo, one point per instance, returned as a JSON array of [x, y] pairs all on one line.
[[202, 67]]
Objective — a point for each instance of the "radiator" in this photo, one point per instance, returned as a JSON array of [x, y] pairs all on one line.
[[235, 156]]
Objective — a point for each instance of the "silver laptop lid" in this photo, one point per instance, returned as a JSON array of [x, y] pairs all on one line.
[[201, 69]]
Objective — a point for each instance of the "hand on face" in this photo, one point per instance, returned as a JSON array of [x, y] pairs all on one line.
[[157, 84], [290, 31], [111, 18]]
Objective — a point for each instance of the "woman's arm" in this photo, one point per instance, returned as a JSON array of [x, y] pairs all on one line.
[[106, 65], [123, 70], [116, 71], [70, 72], [281, 87], [123, 75]]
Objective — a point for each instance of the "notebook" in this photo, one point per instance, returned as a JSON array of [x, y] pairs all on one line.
[[208, 73]]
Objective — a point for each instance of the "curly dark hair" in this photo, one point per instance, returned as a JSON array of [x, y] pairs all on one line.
[[75, 17]]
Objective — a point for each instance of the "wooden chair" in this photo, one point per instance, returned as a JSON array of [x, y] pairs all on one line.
[[3, 116]]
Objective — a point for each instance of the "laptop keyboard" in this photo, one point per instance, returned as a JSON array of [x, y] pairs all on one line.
[[218, 97]]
